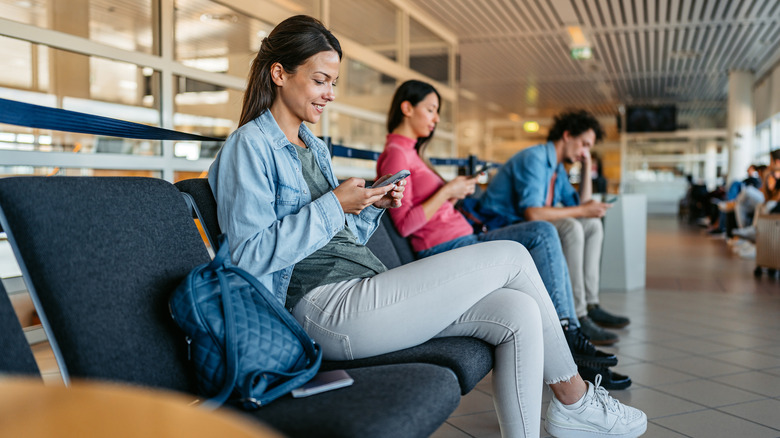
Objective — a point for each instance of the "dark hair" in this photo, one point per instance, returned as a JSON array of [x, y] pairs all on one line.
[[775, 154], [291, 43], [576, 122], [414, 92]]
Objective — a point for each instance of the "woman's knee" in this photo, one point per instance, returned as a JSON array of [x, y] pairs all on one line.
[[592, 226], [570, 229], [509, 312]]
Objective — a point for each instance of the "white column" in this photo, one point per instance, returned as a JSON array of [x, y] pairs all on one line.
[[711, 164], [741, 123]]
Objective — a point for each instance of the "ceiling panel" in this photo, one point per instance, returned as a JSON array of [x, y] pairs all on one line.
[[644, 52]]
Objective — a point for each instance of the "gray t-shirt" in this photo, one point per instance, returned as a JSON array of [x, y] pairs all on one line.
[[343, 258]]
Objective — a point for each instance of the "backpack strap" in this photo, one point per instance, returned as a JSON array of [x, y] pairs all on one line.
[[231, 354]]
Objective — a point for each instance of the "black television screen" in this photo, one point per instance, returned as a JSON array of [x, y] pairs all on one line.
[[651, 118]]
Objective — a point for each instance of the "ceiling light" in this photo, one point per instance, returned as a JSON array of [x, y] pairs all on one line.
[[684, 54], [230, 18], [531, 126]]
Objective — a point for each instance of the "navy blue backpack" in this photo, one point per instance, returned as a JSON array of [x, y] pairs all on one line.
[[245, 346]]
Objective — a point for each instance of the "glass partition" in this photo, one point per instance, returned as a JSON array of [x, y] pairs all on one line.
[[429, 54], [213, 37], [122, 24]]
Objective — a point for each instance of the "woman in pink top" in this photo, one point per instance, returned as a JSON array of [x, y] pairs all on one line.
[[429, 219]]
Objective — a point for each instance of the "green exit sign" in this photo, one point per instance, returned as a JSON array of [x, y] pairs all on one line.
[[579, 53]]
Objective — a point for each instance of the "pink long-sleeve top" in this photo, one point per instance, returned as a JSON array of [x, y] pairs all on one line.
[[446, 224]]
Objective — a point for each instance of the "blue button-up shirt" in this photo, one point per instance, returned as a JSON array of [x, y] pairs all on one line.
[[523, 182], [264, 204]]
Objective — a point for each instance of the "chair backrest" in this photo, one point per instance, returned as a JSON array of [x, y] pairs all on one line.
[[102, 255], [198, 194], [17, 358], [388, 245]]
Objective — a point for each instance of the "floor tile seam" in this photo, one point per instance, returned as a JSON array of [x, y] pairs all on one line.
[[668, 394], [741, 388], [470, 414], [700, 356], [669, 429], [677, 414], [660, 344], [460, 429], [718, 409], [761, 397]]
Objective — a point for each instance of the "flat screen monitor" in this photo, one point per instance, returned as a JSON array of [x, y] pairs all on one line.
[[651, 118]]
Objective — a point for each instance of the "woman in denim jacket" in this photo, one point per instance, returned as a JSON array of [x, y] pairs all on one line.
[[302, 234]]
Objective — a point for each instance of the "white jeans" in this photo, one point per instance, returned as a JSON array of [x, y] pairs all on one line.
[[581, 240], [491, 291]]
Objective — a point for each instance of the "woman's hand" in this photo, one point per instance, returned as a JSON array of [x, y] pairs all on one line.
[[354, 196], [393, 198], [460, 187]]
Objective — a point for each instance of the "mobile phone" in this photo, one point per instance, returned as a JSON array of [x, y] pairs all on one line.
[[611, 200], [484, 167], [323, 381], [393, 179]]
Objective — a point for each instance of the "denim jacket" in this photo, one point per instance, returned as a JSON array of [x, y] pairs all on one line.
[[523, 181], [264, 205]]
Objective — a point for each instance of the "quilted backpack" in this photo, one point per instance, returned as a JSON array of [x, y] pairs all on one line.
[[245, 346]]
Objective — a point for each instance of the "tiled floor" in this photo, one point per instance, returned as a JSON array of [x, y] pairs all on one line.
[[703, 348]]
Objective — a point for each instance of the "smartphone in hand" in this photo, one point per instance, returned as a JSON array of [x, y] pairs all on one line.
[[484, 167], [393, 179], [611, 200]]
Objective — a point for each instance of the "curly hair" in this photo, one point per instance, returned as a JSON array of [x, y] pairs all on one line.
[[575, 122]]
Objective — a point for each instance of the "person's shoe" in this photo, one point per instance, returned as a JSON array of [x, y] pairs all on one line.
[[596, 415], [583, 351], [596, 334], [609, 378], [606, 319]]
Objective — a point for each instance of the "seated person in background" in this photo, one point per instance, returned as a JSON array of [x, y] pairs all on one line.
[[771, 188], [290, 224], [532, 185], [433, 225]]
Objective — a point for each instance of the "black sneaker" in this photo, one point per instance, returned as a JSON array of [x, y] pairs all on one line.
[[609, 378], [584, 353], [606, 319], [596, 335]]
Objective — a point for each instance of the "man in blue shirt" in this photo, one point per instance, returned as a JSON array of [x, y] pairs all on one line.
[[534, 185]]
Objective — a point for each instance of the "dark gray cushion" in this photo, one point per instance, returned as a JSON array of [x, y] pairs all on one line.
[[469, 358], [410, 400], [17, 358], [104, 254]]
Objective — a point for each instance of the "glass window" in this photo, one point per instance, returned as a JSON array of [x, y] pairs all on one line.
[[357, 133], [195, 107], [215, 38], [79, 83], [428, 53], [74, 171], [122, 24], [372, 23], [440, 148], [363, 87]]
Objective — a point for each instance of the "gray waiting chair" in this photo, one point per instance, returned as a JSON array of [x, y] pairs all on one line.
[[103, 256], [16, 357]]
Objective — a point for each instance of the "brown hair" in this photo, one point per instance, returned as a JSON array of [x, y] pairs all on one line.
[[291, 43]]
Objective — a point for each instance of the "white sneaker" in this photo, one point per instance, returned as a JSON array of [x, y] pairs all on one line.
[[597, 416]]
